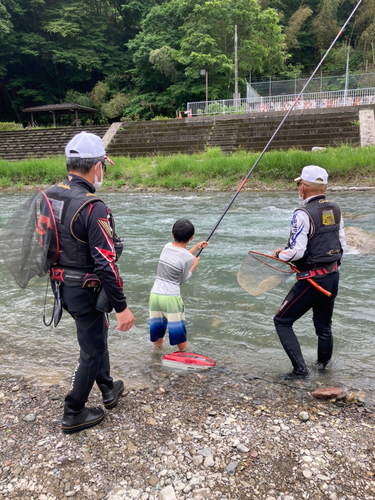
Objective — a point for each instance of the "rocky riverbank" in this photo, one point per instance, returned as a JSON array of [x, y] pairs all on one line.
[[212, 434]]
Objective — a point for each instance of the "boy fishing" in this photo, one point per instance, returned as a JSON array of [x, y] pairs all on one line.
[[176, 265]]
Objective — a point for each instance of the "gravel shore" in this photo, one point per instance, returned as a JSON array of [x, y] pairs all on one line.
[[211, 434]]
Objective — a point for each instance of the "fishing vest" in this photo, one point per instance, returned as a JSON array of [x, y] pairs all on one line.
[[67, 202], [323, 242]]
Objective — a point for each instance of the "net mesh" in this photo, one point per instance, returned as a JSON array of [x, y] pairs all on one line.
[[28, 241], [260, 273]]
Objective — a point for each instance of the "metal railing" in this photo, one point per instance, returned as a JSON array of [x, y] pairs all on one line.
[[312, 100]]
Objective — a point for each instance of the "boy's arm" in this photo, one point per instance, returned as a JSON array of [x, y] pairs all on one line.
[[197, 247], [195, 264]]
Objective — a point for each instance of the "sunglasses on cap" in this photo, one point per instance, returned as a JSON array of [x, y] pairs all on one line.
[[104, 163]]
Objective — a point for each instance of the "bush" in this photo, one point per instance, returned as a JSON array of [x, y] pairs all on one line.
[[116, 106], [161, 118], [5, 126]]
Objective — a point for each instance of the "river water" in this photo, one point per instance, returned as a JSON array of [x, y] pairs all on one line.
[[224, 322]]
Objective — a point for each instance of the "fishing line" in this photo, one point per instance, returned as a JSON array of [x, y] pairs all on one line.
[[279, 127]]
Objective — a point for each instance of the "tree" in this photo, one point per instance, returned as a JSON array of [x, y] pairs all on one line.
[[116, 106], [325, 24], [57, 45], [364, 33], [180, 37], [294, 26]]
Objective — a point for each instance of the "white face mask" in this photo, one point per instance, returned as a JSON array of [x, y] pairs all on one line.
[[97, 183]]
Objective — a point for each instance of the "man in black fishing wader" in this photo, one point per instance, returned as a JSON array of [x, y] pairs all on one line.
[[316, 247], [85, 274]]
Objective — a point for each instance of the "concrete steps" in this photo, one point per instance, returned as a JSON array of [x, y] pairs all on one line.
[[160, 137], [250, 132], [40, 143], [302, 131]]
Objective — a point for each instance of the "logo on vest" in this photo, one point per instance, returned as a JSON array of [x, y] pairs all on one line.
[[328, 218], [333, 252]]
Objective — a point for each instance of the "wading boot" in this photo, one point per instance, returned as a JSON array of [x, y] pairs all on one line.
[[321, 366], [112, 396], [295, 375], [78, 420]]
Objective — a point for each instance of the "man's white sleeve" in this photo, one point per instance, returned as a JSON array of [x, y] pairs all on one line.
[[298, 237]]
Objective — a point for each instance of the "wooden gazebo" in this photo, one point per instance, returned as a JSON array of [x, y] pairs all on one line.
[[65, 108]]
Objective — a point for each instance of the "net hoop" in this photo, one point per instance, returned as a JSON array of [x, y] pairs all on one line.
[[253, 254], [259, 273]]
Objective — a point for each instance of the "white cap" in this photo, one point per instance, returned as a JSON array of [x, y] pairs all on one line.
[[85, 145], [312, 173]]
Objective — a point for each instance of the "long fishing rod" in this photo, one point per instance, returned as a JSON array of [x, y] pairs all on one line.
[[279, 127]]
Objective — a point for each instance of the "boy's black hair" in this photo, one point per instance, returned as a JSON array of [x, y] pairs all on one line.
[[183, 230]]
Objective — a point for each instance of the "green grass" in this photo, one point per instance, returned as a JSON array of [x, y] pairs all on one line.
[[209, 170]]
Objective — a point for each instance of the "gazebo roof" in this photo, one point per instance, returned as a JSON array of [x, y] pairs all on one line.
[[60, 107]]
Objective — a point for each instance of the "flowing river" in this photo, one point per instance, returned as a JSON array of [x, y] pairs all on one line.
[[224, 322]]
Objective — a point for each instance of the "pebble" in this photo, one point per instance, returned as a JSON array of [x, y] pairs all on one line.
[[231, 468], [304, 416], [29, 418], [307, 473], [242, 448], [168, 493], [153, 480]]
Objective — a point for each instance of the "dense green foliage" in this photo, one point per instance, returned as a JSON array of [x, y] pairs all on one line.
[[211, 170], [136, 59]]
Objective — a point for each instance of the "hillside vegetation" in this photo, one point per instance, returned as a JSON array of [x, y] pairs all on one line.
[[136, 60]]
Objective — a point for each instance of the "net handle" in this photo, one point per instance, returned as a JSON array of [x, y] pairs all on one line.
[[311, 281], [46, 199], [314, 283]]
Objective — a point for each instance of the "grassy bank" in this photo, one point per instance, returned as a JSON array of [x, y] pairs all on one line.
[[209, 170]]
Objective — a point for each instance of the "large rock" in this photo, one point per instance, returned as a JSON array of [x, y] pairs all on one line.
[[359, 240], [327, 392]]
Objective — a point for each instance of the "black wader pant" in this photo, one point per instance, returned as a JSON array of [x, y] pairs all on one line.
[[92, 334], [302, 297]]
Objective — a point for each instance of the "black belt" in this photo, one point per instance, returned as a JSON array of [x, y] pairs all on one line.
[[317, 272], [73, 277]]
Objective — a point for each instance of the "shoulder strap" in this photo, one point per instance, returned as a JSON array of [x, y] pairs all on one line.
[[76, 214]]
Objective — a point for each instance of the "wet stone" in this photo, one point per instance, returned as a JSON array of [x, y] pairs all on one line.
[[328, 392]]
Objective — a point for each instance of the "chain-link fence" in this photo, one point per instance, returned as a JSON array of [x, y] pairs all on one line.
[[318, 84]]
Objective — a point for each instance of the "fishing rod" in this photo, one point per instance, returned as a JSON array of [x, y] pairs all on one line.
[[278, 128]]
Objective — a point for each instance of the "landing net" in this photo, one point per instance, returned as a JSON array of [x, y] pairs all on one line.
[[28, 241], [260, 273]]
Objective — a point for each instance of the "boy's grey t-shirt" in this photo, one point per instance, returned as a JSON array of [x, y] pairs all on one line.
[[173, 269]]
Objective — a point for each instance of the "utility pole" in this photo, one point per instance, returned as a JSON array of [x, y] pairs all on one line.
[[204, 72], [347, 76], [206, 89], [235, 65]]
